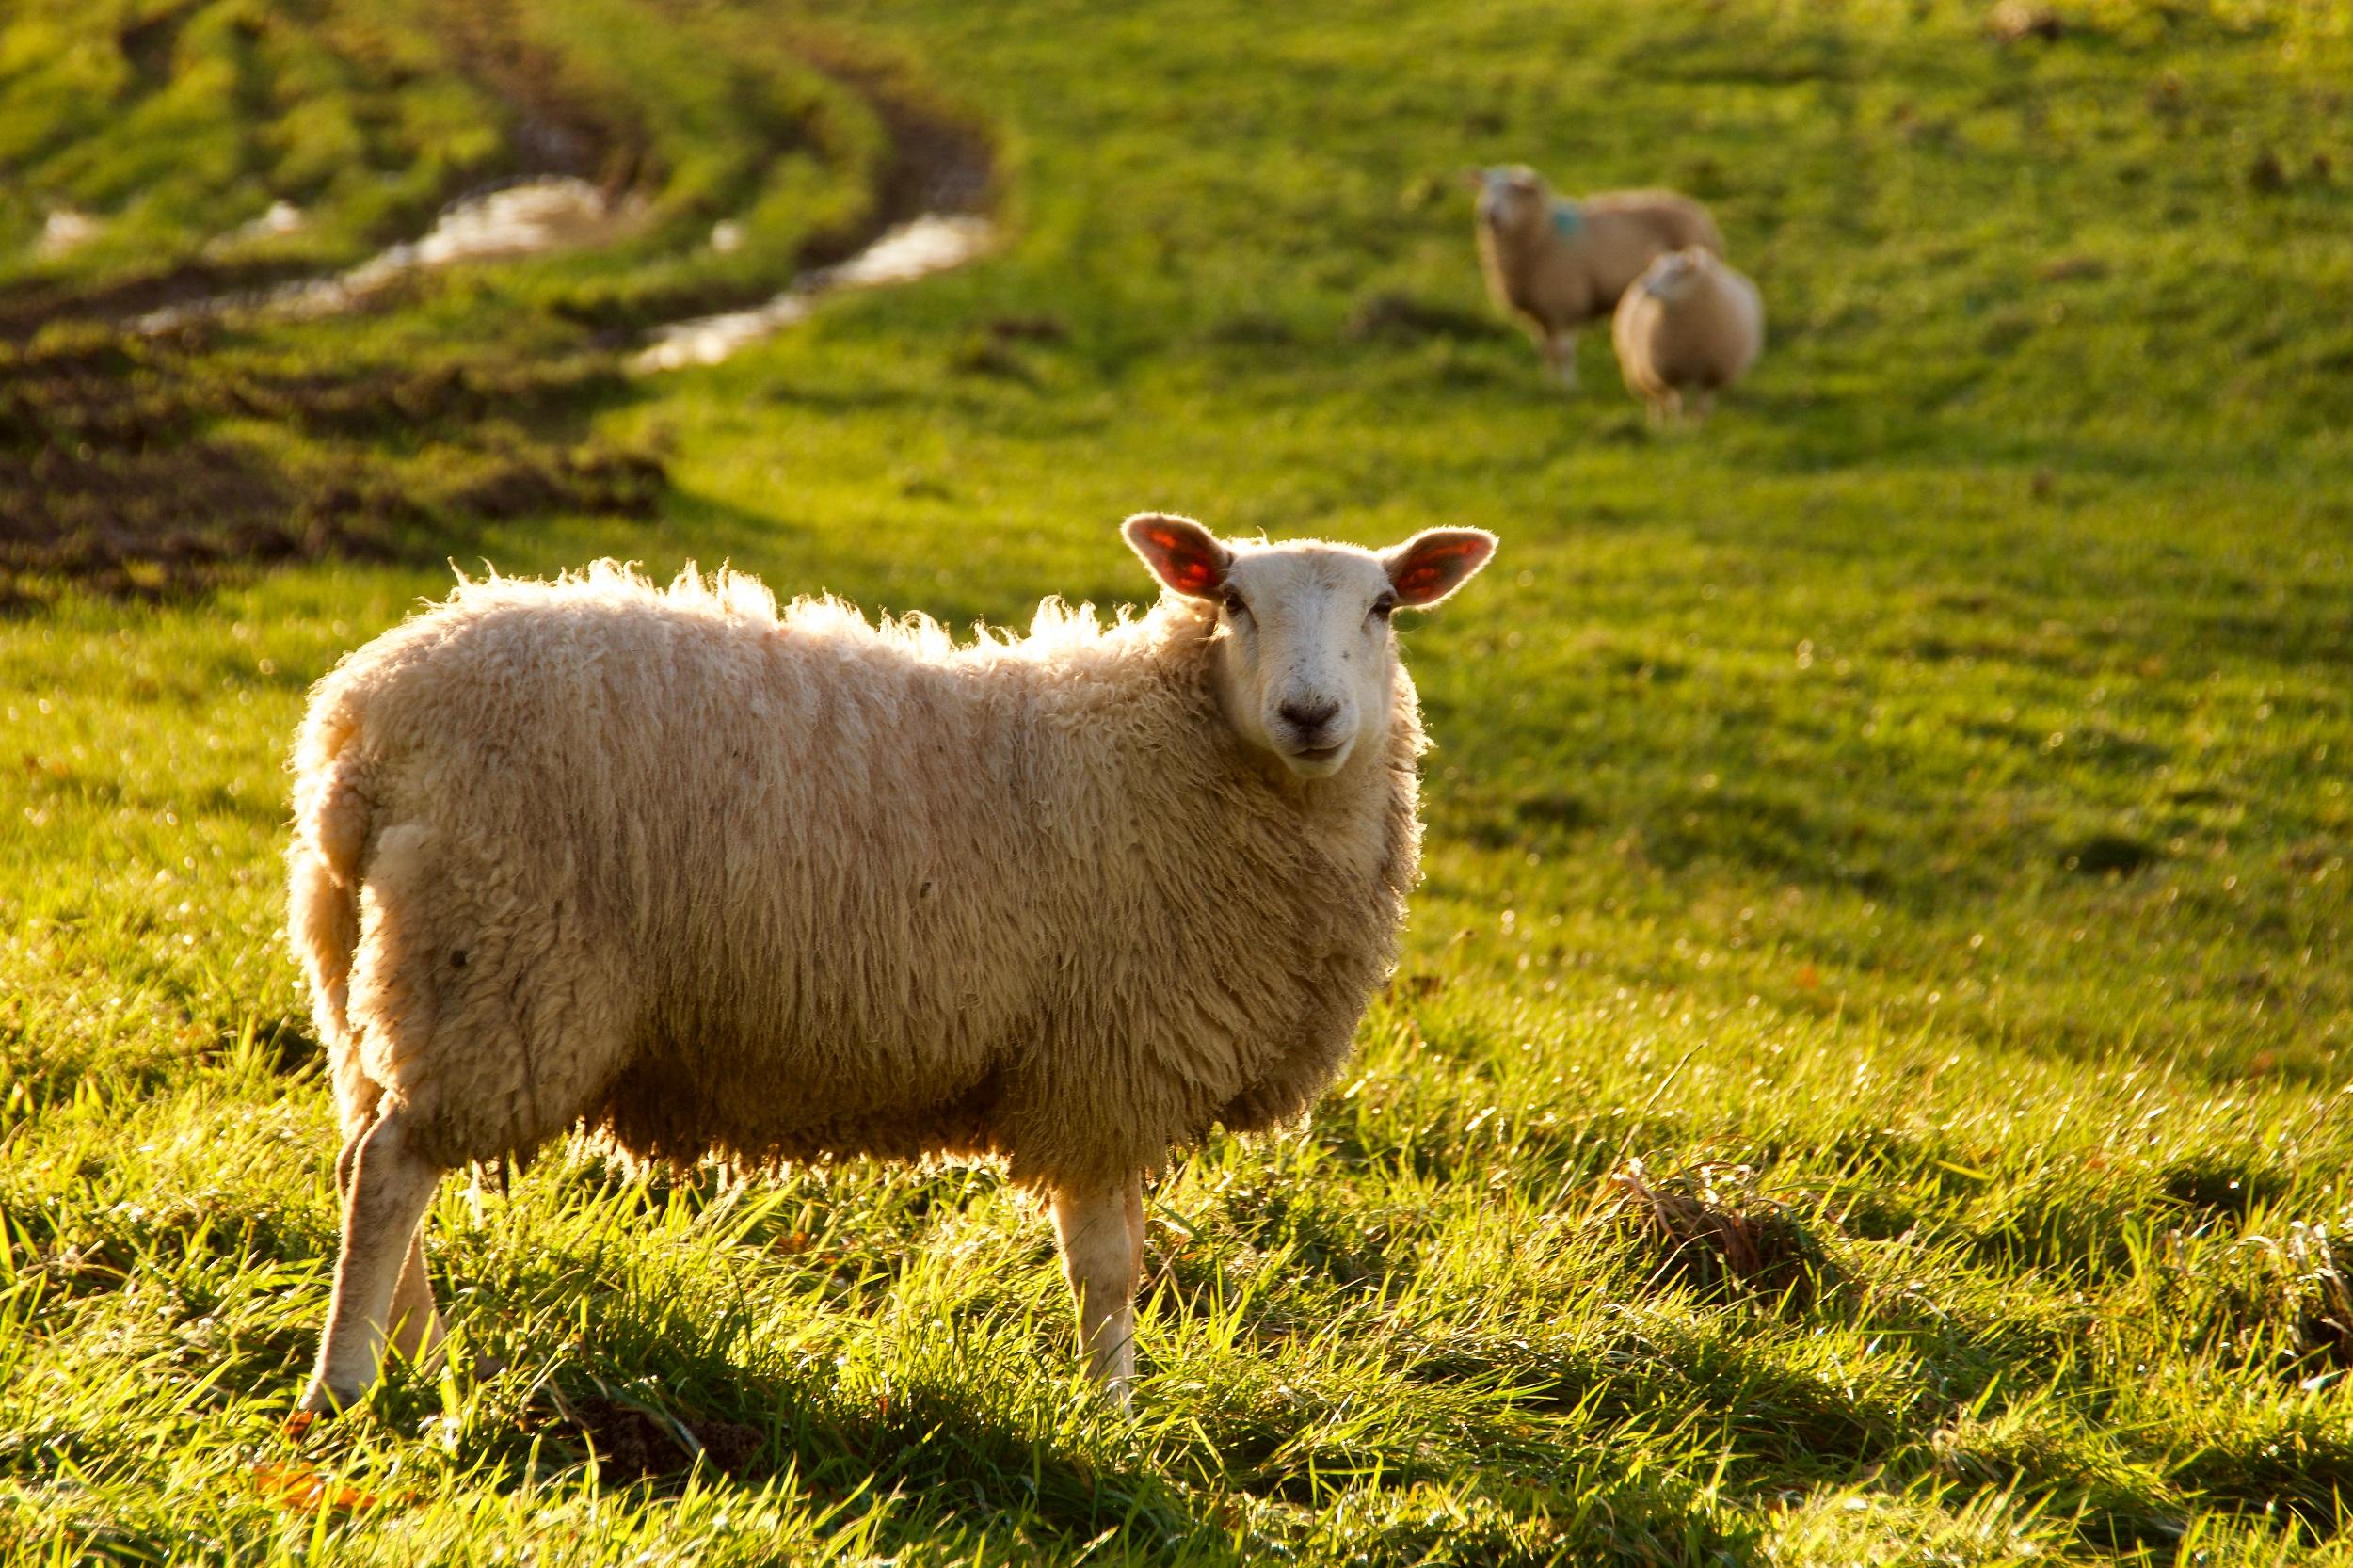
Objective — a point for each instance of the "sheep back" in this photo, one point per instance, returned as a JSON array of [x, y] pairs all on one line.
[[1557, 276], [721, 881]]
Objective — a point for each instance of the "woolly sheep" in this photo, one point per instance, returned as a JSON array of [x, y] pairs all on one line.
[[716, 880], [1556, 264], [1692, 324]]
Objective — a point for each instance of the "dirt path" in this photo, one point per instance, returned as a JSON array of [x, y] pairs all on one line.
[[110, 474]]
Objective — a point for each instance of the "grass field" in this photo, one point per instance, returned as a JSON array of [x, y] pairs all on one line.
[[1868, 1082]]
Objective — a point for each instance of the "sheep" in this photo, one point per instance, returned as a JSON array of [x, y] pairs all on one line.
[[1556, 264], [713, 880], [1690, 324]]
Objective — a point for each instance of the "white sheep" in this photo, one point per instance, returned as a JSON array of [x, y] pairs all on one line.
[[718, 881], [1690, 325], [1557, 264]]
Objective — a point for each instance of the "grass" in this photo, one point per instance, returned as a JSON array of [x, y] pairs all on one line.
[[1867, 1082]]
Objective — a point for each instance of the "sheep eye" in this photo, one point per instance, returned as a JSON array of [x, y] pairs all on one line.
[[1234, 605], [1382, 606]]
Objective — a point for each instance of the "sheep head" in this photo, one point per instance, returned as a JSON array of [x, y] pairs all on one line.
[[1304, 661], [1674, 275], [1513, 198]]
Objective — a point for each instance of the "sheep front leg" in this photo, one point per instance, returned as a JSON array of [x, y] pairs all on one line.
[[1102, 1231], [1560, 357], [389, 1186], [417, 1331]]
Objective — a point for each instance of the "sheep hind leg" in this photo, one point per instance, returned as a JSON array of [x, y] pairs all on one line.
[[1101, 1230], [389, 1187]]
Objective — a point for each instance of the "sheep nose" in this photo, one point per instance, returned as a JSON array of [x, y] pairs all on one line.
[[1309, 717]]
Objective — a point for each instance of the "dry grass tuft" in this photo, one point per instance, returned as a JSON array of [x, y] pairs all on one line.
[[1712, 1226], [2315, 1278], [2282, 1300]]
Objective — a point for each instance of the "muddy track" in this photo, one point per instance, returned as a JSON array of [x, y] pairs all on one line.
[[554, 133], [938, 164], [109, 478]]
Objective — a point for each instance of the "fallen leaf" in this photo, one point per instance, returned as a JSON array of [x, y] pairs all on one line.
[[300, 1488]]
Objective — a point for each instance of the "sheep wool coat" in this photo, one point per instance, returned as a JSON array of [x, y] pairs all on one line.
[[721, 881], [1561, 280]]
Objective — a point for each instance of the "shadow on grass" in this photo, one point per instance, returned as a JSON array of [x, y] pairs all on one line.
[[956, 1448]]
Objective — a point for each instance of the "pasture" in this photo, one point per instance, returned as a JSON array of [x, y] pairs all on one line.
[[1868, 1079]]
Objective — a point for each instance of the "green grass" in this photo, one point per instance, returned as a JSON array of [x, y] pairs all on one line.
[[1926, 785]]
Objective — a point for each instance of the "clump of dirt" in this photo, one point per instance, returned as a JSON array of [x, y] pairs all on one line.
[[2222, 1185], [2109, 854], [114, 471], [1390, 315], [633, 1443], [1031, 329], [623, 484], [1711, 1228], [2015, 22], [27, 307], [390, 398]]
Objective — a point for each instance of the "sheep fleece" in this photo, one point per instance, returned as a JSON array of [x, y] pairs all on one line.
[[1707, 340], [721, 881], [1562, 282]]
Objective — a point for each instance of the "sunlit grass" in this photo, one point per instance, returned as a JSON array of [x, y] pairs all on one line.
[[1915, 804]]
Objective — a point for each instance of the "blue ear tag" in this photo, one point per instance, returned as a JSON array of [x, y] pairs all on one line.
[[1567, 219]]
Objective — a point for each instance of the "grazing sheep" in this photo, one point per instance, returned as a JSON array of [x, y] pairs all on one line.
[[1692, 324], [719, 881], [1557, 264]]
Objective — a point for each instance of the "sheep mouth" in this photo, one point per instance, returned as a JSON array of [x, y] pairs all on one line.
[[1318, 754]]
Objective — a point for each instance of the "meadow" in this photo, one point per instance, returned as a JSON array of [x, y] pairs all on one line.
[[1868, 1079]]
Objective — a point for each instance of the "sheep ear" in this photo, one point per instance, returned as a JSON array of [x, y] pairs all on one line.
[[1181, 554], [1433, 564], [1475, 178]]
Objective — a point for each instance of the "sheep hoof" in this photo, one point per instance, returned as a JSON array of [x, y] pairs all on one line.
[[321, 1399]]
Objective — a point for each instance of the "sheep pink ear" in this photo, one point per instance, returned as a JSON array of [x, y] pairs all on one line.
[[1433, 564], [1181, 552]]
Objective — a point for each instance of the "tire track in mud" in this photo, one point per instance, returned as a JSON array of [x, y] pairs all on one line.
[[112, 478]]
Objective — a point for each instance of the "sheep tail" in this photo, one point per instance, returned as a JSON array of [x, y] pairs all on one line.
[[333, 823]]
